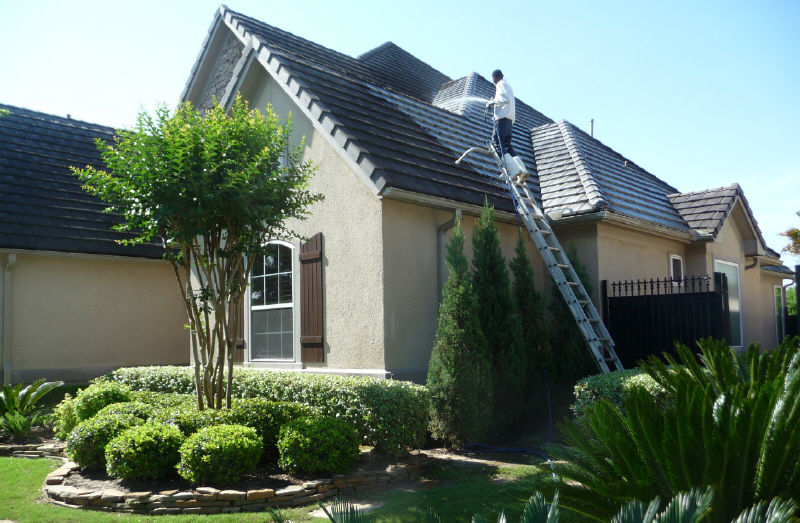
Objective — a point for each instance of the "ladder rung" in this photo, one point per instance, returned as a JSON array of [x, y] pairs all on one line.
[[603, 339], [554, 249], [573, 283], [609, 359], [594, 320], [563, 265], [582, 302], [545, 233]]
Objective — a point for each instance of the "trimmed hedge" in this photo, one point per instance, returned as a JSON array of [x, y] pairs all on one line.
[[189, 420], [145, 451], [221, 454], [162, 400], [92, 399], [137, 409], [86, 445], [317, 445], [616, 387], [389, 414]]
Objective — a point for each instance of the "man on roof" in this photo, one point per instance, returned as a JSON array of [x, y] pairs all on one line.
[[504, 114]]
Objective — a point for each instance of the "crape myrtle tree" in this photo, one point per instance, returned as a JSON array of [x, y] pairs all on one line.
[[793, 247], [459, 373], [499, 320], [215, 188]]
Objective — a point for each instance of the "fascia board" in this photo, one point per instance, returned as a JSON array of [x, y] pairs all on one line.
[[643, 226], [321, 117], [83, 255], [444, 204]]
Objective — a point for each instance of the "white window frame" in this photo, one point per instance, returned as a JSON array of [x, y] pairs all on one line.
[[741, 297], [293, 306], [781, 333], [671, 272]]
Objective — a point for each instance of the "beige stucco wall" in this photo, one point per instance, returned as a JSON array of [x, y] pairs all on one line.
[[75, 318], [350, 221], [411, 283]]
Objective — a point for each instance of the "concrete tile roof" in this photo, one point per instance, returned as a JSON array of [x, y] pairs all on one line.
[[578, 172], [405, 123], [42, 205]]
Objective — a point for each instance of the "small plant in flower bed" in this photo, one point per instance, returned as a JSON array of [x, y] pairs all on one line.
[[145, 451], [321, 444], [221, 454], [137, 409], [389, 414], [86, 445], [92, 399], [66, 418], [18, 410]]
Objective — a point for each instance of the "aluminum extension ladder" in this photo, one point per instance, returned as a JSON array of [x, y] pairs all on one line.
[[580, 304]]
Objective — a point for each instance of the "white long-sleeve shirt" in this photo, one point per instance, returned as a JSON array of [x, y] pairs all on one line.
[[503, 94]]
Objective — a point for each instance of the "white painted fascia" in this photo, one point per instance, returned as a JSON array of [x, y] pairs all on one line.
[[443, 203], [309, 104]]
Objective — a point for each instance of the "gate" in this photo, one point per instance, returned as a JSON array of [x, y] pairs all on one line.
[[648, 317]]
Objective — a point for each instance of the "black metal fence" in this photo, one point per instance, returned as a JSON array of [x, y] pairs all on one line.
[[648, 317]]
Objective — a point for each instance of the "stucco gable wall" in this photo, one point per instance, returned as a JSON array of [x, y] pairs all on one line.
[[350, 221], [78, 317], [411, 283]]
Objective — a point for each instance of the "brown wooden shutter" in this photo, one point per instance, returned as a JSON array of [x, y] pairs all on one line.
[[311, 327]]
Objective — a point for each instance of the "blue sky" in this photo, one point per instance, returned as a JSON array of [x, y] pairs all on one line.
[[701, 94]]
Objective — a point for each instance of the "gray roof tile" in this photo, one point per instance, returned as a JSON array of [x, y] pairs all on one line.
[[42, 204]]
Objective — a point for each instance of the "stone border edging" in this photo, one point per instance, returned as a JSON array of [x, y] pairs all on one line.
[[207, 500]]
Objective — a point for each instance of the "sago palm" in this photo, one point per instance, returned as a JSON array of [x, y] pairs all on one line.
[[735, 428]]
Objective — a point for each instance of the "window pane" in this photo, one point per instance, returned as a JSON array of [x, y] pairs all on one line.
[[286, 320], [274, 320], [778, 314], [286, 345], [286, 288], [258, 266], [257, 291], [285, 255], [734, 302], [270, 290], [677, 269], [271, 260], [271, 334]]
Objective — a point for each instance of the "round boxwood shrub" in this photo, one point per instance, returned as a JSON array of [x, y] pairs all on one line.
[[93, 398], [267, 417], [317, 445], [136, 409], [86, 445], [145, 451], [221, 454]]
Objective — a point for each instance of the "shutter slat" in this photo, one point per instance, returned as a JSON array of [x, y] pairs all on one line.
[[311, 324]]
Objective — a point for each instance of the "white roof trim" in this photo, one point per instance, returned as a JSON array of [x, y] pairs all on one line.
[[344, 143]]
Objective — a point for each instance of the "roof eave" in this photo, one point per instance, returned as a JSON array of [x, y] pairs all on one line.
[[323, 120]]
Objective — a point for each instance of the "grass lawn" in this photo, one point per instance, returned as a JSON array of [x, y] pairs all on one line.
[[455, 492]]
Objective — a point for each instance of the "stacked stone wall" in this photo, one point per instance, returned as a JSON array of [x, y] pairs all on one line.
[[223, 72]]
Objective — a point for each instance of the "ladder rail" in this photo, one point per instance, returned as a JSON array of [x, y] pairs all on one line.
[[577, 299]]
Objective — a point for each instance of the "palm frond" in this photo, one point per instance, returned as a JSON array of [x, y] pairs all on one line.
[[778, 511]]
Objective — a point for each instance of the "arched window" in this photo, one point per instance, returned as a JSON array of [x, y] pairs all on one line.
[[272, 304]]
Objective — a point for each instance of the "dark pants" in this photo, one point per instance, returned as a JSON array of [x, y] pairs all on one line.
[[504, 126]]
